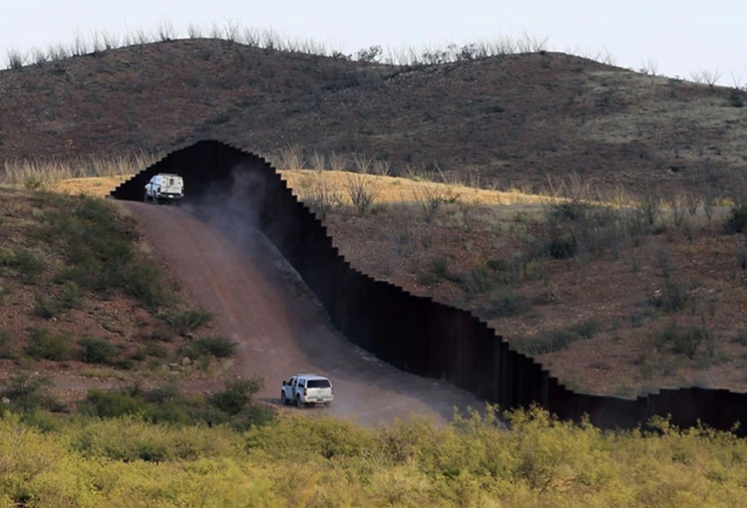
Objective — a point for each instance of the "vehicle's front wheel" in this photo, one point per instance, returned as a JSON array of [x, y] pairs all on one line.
[[283, 399], [145, 197]]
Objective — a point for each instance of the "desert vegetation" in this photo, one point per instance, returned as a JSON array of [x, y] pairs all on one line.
[[78, 291], [537, 461]]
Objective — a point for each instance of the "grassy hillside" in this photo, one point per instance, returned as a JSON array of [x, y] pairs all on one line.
[[81, 298], [509, 120]]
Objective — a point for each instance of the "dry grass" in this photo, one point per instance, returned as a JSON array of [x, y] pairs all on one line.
[[392, 189], [91, 186], [44, 172]]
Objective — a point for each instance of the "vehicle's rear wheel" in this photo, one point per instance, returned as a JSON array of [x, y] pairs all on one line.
[[145, 197], [283, 399], [298, 401]]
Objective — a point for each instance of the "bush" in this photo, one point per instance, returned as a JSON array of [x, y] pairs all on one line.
[[6, 345], [184, 322], [29, 393], [735, 98], [684, 341], [255, 415], [47, 345], [362, 192], [687, 341], [556, 340], [741, 337], [546, 342], [218, 347], [562, 245], [503, 302], [97, 351], [673, 297], [113, 403], [28, 266], [237, 395], [736, 222], [585, 329], [67, 299], [475, 282]]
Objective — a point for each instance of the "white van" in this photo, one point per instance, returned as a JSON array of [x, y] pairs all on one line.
[[164, 187]]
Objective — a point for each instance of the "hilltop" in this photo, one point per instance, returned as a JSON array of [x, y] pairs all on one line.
[[506, 120]]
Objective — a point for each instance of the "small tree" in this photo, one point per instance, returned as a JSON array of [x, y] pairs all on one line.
[[362, 192], [371, 54]]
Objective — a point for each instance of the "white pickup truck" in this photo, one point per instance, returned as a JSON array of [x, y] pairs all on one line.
[[303, 389], [164, 187]]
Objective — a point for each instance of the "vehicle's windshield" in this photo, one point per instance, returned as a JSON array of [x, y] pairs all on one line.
[[318, 383]]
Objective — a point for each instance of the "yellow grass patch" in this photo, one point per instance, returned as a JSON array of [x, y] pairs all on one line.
[[389, 189], [90, 186]]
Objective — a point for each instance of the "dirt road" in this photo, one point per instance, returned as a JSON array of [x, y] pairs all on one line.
[[260, 303]]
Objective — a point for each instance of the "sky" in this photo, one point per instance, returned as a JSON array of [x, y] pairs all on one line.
[[672, 38]]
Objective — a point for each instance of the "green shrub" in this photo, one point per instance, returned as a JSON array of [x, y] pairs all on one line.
[[28, 266], [556, 340], [28, 392], [144, 280], [503, 302], [440, 268], [113, 403], [427, 278], [97, 351], [741, 337], [546, 342], [686, 342], [736, 222], [218, 347], [7, 351], [155, 350], [44, 344], [184, 322], [475, 282], [7, 257], [585, 329], [735, 98], [561, 245], [237, 395], [569, 211], [255, 415], [68, 298], [673, 297]]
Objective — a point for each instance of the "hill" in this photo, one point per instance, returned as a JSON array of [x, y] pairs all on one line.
[[508, 120], [621, 278]]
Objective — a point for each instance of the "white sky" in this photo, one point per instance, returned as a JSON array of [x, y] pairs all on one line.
[[676, 37]]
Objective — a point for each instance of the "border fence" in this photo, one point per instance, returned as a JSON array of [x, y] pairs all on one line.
[[415, 334]]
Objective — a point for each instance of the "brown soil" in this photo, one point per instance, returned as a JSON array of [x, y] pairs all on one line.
[[261, 303]]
